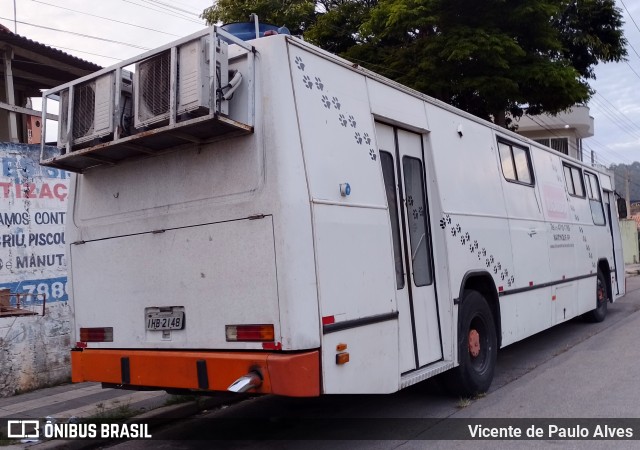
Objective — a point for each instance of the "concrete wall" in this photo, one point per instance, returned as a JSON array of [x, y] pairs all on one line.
[[629, 232], [34, 350]]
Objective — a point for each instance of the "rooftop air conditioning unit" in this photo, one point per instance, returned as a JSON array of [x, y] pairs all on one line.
[[93, 109], [153, 83]]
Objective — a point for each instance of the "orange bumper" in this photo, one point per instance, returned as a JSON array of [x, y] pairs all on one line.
[[290, 374]]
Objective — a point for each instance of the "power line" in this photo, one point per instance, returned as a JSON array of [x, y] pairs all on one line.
[[168, 5], [630, 16], [164, 11], [88, 53], [105, 18], [79, 34], [620, 114]]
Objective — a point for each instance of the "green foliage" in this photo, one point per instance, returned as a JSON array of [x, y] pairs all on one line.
[[488, 57]]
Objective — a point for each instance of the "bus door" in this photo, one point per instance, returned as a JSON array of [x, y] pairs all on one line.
[[614, 228], [402, 162]]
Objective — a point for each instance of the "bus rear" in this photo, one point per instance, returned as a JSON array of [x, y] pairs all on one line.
[[181, 229]]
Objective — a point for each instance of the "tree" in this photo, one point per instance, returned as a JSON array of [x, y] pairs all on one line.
[[491, 58], [297, 15]]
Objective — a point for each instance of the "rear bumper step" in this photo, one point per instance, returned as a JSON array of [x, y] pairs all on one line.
[[289, 374]]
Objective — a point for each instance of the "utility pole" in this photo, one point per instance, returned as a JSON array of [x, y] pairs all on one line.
[[15, 18], [626, 190]]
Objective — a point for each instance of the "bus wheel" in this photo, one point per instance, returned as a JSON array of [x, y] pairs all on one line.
[[477, 346], [600, 312]]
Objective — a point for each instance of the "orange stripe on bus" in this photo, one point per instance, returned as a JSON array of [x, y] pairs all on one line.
[[290, 374]]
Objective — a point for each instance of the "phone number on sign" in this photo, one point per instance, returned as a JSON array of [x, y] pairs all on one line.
[[34, 291]]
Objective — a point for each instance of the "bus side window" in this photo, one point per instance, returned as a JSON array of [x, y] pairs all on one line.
[[595, 199], [417, 220], [573, 180], [392, 200]]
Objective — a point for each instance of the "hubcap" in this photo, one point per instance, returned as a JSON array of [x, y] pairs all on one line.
[[474, 343]]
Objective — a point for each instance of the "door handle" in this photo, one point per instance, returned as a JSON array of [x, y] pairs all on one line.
[[532, 231]]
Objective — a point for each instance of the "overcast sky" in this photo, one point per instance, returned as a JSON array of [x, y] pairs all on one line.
[[615, 106]]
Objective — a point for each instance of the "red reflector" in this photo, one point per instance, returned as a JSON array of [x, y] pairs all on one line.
[[553, 298], [500, 289], [81, 345], [103, 334], [530, 283], [328, 320], [272, 346], [249, 333]]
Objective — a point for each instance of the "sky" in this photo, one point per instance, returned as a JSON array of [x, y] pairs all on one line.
[[126, 28]]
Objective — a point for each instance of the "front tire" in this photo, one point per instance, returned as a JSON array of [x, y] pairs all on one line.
[[477, 347], [602, 299]]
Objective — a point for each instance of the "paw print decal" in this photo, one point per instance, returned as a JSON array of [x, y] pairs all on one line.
[[487, 262], [358, 138], [343, 120], [299, 63], [326, 102], [463, 241], [458, 228], [410, 200], [336, 103], [495, 269], [352, 121], [416, 215], [373, 155], [307, 82], [443, 223], [367, 139], [453, 231], [319, 84]]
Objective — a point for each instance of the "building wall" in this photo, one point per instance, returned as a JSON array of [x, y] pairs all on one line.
[[34, 350], [629, 231]]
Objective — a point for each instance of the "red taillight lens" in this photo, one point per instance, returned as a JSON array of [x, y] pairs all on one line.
[[103, 334], [249, 333]]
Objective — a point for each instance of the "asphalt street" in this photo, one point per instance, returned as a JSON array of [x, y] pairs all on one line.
[[574, 370]]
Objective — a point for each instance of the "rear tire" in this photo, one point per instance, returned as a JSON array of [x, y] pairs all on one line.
[[602, 299], [477, 347]]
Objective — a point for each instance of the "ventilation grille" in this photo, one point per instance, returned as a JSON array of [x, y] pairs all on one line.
[[154, 87], [84, 105]]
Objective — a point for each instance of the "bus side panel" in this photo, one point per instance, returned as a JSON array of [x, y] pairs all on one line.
[[473, 222]]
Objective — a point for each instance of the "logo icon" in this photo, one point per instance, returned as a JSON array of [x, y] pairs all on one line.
[[23, 429]]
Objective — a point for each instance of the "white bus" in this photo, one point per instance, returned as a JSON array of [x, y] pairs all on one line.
[[291, 223]]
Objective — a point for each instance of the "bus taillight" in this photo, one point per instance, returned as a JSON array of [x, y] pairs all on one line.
[[249, 333], [102, 334]]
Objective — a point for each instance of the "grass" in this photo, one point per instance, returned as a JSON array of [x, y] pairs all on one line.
[[179, 399], [463, 402], [121, 412]]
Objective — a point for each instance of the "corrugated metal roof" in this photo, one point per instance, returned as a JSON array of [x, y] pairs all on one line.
[[38, 66]]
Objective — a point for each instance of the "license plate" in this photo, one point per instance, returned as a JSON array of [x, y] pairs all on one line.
[[173, 320]]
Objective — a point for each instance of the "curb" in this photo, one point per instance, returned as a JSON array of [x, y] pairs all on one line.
[[163, 415]]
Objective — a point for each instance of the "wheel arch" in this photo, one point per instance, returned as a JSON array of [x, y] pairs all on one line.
[[482, 282], [603, 266]]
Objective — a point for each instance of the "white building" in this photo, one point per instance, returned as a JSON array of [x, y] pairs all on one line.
[[563, 132]]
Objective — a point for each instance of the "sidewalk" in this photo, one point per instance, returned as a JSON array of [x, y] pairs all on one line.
[[71, 402], [632, 269]]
